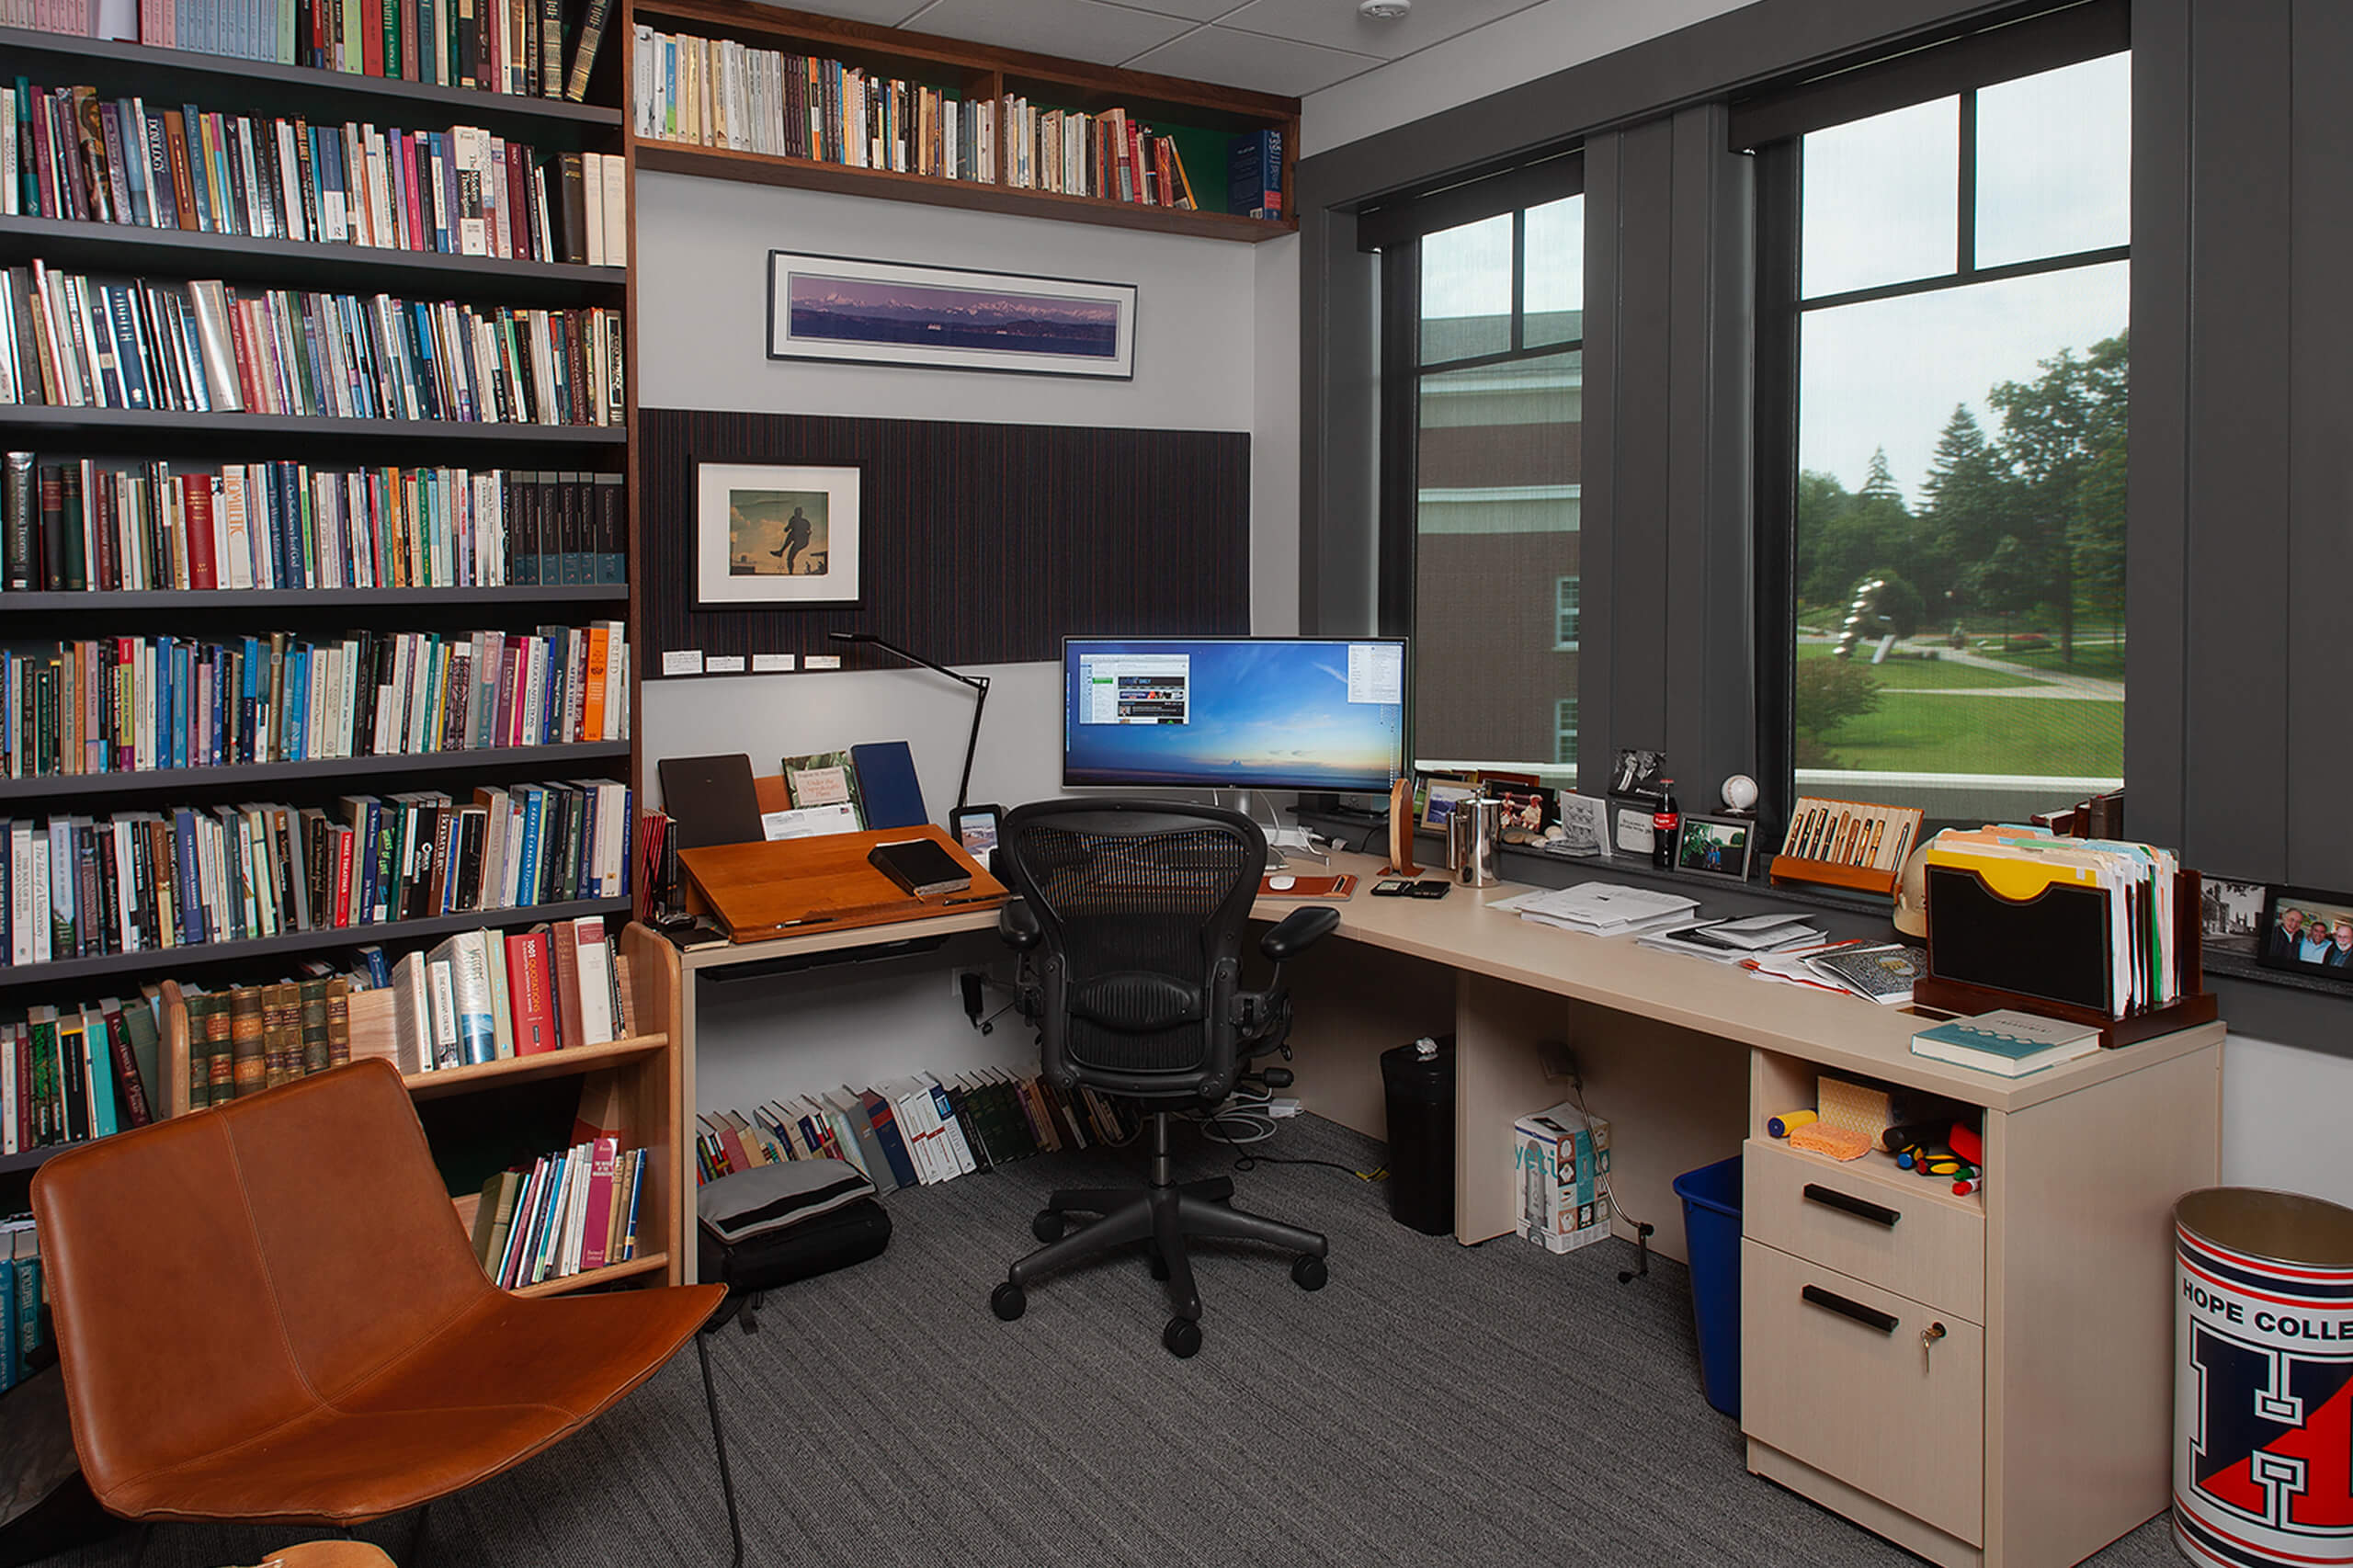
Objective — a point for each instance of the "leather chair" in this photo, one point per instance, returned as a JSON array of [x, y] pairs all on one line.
[[1130, 916], [270, 1313]]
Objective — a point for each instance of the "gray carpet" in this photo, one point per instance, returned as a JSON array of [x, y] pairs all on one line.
[[1486, 1406]]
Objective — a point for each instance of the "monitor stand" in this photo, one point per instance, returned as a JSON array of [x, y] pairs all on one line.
[[1280, 839]]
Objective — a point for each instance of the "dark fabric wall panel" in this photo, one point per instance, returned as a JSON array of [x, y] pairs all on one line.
[[982, 543]]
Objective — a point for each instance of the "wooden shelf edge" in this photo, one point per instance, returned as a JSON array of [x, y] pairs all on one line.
[[806, 174], [528, 1069], [649, 1263]]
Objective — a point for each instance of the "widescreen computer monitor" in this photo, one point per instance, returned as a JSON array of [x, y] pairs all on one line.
[[1234, 712]]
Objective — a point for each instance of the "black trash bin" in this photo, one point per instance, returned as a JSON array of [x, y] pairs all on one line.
[[1419, 1079]]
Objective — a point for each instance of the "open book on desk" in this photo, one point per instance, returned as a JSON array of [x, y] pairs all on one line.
[[1601, 909], [790, 886]]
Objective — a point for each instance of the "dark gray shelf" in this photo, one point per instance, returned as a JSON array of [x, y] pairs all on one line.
[[32, 1159], [152, 781], [211, 426], [267, 601], [131, 247], [67, 972], [301, 89]]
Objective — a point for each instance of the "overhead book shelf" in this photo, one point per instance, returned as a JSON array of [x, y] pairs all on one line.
[[722, 89]]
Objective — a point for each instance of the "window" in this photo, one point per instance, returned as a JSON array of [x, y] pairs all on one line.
[[1948, 286], [1497, 380], [1564, 731]]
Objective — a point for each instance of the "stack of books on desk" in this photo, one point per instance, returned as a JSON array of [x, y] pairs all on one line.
[[1602, 909], [915, 1131]]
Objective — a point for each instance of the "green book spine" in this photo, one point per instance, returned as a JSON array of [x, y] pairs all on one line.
[[314, 1006]]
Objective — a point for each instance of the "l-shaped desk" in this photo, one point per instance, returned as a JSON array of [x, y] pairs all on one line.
[[1982, 1378]]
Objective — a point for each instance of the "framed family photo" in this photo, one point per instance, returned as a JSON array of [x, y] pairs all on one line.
[[1716, 846], [772, 536], [885, 313], [2308, 931]]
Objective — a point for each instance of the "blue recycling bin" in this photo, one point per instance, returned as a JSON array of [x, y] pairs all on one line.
[[1711, 1236]]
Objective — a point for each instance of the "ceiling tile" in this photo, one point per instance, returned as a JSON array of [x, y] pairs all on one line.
[[1248, 60], [1195, 10], [1335, 24], [881, 13], [1075, 29]]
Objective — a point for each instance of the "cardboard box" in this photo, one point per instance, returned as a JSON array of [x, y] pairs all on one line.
[[1559, 1158]]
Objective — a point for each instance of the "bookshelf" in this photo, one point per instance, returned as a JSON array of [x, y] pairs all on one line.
[[632, 1079], [1201, 117]]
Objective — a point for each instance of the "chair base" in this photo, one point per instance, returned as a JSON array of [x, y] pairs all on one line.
[[1161, 1216]]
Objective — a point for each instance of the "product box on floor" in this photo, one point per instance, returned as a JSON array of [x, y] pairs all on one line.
[[1559, 1157]]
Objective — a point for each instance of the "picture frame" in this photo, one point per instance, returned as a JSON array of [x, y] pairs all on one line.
[[2230, 915], [1721, 846], [1581, 828], [772, 536], [866, 312], [1439, 801], [1638, 775], [1630, 828], [2287, 946]]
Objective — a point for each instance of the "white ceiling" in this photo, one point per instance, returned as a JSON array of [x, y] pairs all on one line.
[[1289, 46]]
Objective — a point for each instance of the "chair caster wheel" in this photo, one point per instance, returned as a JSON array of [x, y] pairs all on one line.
[[1047, 1226], [1008, 1301], [1159, 1264], [1183, 1338], [1307, 1272]]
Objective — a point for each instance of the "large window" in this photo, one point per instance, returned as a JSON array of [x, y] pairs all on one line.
[[1499, 382], [1955, 296]]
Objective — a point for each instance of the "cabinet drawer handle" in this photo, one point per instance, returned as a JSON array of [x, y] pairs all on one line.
[[1870, 1317], [1862, 1208]]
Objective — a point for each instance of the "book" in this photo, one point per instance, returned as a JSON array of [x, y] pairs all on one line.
[[921, 866], [826, 779], [2007, 1043], [893, 796], [1884, 973]]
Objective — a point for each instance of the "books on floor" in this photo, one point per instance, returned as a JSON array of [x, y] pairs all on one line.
[[915, 1131], [2008, 1043], [572, 1211]]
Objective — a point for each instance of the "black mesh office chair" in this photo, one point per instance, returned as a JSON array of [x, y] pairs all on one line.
[[1131, 915]]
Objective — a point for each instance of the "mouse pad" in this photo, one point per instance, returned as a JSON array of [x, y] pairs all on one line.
[[1339, 886]]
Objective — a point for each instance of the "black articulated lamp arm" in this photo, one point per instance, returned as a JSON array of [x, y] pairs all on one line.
[[979, 684]]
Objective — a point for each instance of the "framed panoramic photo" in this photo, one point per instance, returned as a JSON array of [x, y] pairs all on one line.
[[884, 312], [2307, 931], [775, 536]]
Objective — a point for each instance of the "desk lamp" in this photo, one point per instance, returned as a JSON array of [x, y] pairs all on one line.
[[979, 684]]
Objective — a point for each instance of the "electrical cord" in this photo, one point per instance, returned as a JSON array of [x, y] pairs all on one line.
[[1248, 1107]]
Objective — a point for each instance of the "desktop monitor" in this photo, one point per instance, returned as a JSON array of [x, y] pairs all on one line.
[[1234, 712]]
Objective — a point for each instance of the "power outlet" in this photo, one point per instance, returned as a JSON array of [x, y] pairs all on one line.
[[1559, 1061]]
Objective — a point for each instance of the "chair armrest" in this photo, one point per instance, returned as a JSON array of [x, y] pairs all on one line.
[[1299, 930], [1017, 924]]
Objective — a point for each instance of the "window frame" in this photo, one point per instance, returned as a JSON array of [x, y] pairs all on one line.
[[1569, 586]]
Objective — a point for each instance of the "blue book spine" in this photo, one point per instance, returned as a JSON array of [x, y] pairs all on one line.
[[134, 165], [192, 928], [130, 348], [528, 892], [28, 1306], [363, 908], [100, 1066], [200, 171], [298, 706], [11, 1365]]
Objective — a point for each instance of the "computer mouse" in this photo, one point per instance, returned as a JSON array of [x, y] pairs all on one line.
[[1281, 881]]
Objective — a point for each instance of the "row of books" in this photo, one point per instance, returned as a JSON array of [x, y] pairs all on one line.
[[516, 47], [73, 1074], [572, 1211], [20, 1298], [188, 876], [915, 1131], [1111, 154], [203, 346], [717, 93], [82, 525], [66, 153], [485, 996], [142, 704]]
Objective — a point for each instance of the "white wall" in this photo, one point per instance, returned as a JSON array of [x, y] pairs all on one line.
[[2284, 1118], [1217, 334], [1519, 48]]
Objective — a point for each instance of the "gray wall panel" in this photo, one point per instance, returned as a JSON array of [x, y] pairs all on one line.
[[1599, 634], [1639, 449]]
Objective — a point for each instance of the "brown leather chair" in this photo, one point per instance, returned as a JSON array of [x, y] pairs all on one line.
[[268, 1312]]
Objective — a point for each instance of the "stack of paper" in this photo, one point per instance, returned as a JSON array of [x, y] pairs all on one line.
[[1602, 909], [1730, 941]]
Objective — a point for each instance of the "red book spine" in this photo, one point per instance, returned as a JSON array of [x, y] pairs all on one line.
[[1139, 181], [343, 876], [600, 1201], [203, 571], [371, 36], [126, 1068], [249, 386], [526, 992], [564, 975]]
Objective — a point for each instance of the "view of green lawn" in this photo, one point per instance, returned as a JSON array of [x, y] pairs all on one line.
[[1921, 675], [1913, 734], [2102, 660]]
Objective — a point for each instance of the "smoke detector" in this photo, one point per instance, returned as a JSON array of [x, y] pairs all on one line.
[[1383, 10]]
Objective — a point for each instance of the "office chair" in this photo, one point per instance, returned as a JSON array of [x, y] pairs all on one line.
[[1129, 917]]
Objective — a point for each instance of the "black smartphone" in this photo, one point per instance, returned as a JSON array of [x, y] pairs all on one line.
[[974, 827], [1435, 887]]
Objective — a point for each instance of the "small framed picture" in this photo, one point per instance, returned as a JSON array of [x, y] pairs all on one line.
[[1715, 846], [2307, 931], [1633, 832], [773, 535], [2230, 916], [1439, 805], [1640, 774]]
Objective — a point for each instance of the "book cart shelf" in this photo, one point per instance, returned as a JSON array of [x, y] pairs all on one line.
[[1202, 117], [628, 1082]]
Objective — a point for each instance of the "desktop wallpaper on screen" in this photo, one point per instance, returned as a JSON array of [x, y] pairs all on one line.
[[1263, 713]]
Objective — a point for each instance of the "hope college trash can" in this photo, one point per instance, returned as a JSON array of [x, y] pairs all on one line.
[[2263, 1379]]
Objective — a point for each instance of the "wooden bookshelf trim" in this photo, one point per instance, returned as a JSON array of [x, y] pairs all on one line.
[[589, 1279], [530, 1069]]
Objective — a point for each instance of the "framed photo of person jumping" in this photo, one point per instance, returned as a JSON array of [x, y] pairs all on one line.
[[775, 536], [2307, 931]]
